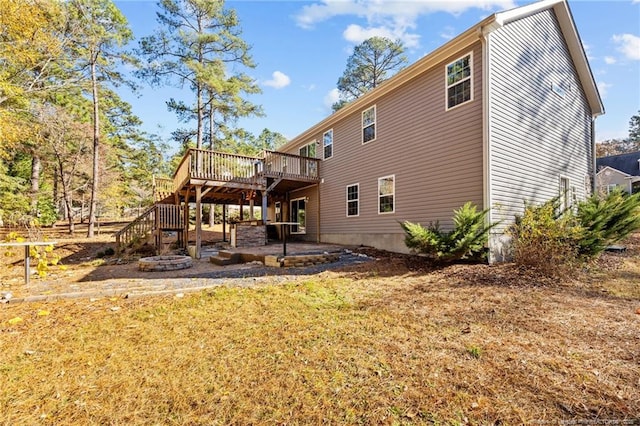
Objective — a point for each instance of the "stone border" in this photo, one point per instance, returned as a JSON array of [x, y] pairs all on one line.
[[300, 260], [164, 263]]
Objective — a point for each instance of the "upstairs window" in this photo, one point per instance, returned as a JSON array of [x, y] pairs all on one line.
[[369, 124], [308, 167], [327, 144], [308, 150], [459, 87], [386, 194]]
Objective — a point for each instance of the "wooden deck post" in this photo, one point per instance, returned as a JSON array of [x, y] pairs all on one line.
[[185, 234], [176, 202], [158, 229], [264, 216], [198, 220], [224, 223]]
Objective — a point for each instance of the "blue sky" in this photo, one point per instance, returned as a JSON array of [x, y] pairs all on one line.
[[301, 49]]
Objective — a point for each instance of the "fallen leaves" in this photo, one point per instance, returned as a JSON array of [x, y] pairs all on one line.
[[15, 320]]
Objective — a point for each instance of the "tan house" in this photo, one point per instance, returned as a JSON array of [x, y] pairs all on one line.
[[501, 115], [618, 171]]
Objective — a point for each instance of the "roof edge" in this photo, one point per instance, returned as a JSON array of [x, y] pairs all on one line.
[[614, 169], [466, 39]]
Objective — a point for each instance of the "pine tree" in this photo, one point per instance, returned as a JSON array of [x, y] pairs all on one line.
[[197, 42]]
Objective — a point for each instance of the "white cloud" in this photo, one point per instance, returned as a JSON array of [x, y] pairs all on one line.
[[603, 88], [448, 33], [629, 45], [278, 80], [357, 34], [331, 98], [609, 60], [387, 17]]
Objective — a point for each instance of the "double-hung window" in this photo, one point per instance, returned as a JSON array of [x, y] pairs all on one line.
[[386, 194], [327, 144], [565, 194], [369, 124], [353, 200], [459, 81]]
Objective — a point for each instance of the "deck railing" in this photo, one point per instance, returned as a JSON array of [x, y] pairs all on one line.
[[219, 166], [155, 218], [290, 166], [162, 188]]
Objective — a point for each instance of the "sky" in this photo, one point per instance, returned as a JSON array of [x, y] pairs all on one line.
[[301, 49]]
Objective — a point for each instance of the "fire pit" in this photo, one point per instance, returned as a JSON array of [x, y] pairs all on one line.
[[164, 263]]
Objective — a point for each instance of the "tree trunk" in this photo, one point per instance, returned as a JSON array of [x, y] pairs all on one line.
[[36, 166], [211, 146], [96, 150], [200, 112]]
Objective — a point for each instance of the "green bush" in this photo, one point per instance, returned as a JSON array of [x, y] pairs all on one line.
[[467, 239], [546, 241], [557, 243], [607, 220], [46, 215]]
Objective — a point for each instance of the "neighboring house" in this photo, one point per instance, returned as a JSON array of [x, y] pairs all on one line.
[[618, 171], [501, 115]]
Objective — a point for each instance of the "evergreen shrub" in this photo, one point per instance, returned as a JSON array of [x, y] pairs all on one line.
[[468, 238]]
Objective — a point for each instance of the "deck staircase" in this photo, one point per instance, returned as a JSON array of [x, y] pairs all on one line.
[[150, 225]]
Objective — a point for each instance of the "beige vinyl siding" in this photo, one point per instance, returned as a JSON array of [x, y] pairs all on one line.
[[536, 136], [434, 154]]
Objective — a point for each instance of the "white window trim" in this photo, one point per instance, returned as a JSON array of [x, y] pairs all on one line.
[[305, 218], [565, 198], [375, 124], [348, 200], [323, 145], [446, 85], [393, 193]]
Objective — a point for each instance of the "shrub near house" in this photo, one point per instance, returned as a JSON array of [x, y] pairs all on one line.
[[554, 242]]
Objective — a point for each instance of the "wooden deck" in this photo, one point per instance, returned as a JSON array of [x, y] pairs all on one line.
[[218, 178], [224, 177]]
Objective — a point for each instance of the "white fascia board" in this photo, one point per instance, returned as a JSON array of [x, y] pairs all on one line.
[[611, 169]]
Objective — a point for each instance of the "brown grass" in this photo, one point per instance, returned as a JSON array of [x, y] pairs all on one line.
[[393, 343]]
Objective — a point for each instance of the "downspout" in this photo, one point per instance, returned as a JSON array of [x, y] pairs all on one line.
[[318, 210], [486, 135], [593, 154]]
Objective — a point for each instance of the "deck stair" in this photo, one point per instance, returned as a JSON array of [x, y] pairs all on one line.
[[150, 225], [225, 258]]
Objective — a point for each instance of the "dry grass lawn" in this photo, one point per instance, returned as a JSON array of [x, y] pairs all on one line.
[[389, 343]]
